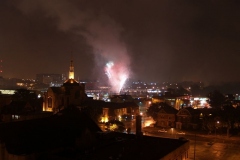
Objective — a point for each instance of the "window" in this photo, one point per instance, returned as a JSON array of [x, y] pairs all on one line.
[[15, 117]]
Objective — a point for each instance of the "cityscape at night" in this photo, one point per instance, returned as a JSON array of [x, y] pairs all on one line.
[[154, 80]]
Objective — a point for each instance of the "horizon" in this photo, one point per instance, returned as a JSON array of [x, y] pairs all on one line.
[[157, 41]]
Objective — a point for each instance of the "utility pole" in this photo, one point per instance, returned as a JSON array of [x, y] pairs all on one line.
[[194, 151]]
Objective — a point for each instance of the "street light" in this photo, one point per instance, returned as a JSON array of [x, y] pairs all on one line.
[[216, 126]]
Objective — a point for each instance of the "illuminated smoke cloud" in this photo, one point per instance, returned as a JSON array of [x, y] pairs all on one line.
[[100, 31], [116, 75], [104, 36]]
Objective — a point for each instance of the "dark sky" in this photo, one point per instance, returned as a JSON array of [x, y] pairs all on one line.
[[155, 40]]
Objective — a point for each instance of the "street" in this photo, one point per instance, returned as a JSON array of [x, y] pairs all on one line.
[[216, 151], [202, 146], [221, 148]]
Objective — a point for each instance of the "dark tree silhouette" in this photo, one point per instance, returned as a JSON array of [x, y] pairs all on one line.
[[154, 109], [217, 99], [182, 91], [229, 116], [208, 123], [196, 89]]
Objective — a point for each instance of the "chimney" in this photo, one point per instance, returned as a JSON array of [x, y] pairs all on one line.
[[139, 125]]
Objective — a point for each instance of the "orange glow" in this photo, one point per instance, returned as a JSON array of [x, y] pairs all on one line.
[[104, 119], [148, 122]]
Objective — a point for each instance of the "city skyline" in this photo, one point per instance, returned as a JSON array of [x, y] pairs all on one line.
[[157, 41]]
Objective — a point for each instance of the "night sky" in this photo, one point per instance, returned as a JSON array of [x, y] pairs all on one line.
[[153, 40]]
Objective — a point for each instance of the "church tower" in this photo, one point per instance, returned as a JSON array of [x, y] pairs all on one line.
[[70, 93], [71, 81], [71, 71]]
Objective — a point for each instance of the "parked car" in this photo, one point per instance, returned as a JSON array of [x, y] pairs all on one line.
[[162, 130], [180, 132]]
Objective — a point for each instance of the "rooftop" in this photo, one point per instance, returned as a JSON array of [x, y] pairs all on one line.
[[73, 135]]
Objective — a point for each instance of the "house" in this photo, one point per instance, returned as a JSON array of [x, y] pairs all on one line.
[[175, 101], [166, 117], [19, 111], [121, 98], [115, 111], [188, 118]]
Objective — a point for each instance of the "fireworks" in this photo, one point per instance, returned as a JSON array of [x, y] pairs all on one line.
[[117, 75], [109, 66]]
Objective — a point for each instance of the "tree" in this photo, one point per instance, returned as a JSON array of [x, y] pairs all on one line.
[[196, 89], [211, 120], [208, 123], [115, 125], [228, 117], [154, 109], [216, 99], [182, 91]]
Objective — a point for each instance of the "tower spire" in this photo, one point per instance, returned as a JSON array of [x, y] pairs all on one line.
[[71, 70]]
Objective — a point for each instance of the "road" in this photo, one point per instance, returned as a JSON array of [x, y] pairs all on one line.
[[201, 149], [221, 148], [216, 151]]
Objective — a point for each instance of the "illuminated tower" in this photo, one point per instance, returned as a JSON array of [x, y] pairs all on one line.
[[71, 81], [71, 71]]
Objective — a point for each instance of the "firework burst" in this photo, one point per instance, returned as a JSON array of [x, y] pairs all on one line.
[[117, 75]]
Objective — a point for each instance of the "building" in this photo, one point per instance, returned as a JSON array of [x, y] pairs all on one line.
[[50, 79], [70, 93], [118, 111], [188, 118], [199, 102], [183, 101], [121, 98], [169, 99], [20, 111], [166, 117]]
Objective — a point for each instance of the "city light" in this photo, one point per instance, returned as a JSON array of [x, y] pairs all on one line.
[[104, 119]]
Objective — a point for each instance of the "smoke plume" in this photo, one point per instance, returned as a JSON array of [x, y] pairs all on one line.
[[99, 30]]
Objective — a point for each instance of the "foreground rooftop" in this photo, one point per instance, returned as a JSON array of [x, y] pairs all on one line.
[[73, 135]]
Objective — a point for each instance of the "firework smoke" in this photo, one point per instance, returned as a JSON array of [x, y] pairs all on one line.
[[100, 31]]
